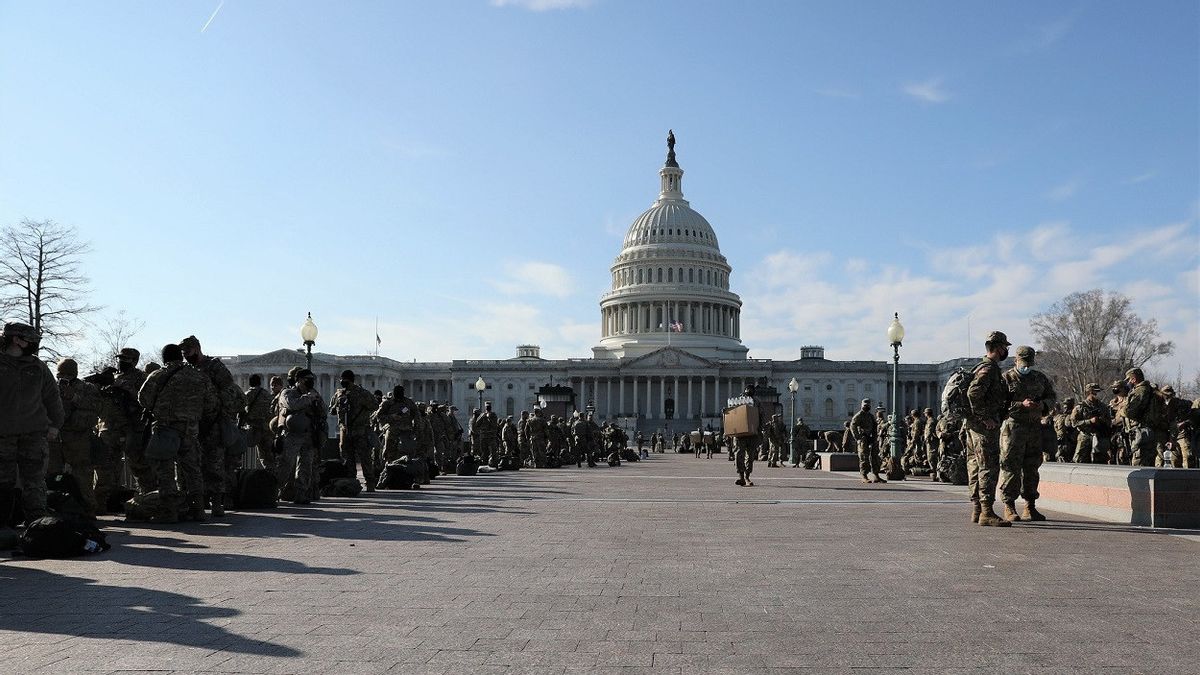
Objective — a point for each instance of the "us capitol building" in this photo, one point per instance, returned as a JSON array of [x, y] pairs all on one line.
[[670, 350]]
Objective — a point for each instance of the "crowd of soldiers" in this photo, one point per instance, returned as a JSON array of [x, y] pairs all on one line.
[[183, 428]]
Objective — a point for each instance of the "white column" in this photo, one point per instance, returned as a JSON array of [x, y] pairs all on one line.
[[690, 409], [635, 394], [608, 397], [621, 394]]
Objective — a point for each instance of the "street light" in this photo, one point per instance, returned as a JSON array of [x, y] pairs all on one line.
[[308, 333], [793, 387], [895, 334], [480, 385]]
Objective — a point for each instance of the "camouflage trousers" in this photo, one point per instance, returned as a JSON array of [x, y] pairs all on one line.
[[130, 444], [1145, 447], [296, 468], [355, 450], [868, 456], [212, 461], [537, 448], [23, 464], [1185, 457], [1091, 448], [398, 443], [259, 437], [983, 463], [489, 449], [72, 453], [182, 474], [773, 456], [745, 450], [1020, 457], [934, 457]]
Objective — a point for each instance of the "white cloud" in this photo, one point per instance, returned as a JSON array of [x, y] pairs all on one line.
[[1064, 191], [543, 5], [792, 299], [1141, 178], [535, 278], [929, 91]]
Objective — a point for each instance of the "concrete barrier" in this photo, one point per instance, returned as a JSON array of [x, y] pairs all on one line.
[[1123, 494], [838, 461]]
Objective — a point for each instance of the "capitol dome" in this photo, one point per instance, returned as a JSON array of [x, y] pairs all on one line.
[[670, 283]]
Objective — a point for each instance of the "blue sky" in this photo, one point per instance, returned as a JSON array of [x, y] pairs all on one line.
[[466, 170]]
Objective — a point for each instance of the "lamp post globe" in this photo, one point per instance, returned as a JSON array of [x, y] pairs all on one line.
[[793, 387], [480, 386], [895, 335], [308, 334]]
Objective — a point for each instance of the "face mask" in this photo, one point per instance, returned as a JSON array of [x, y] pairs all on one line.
[[192, 358], [1024, 370], [124, 366], [345, 384]]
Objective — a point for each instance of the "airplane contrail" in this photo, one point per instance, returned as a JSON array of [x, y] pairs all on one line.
[[214, 15]]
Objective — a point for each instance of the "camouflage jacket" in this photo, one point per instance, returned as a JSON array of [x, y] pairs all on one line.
[[230, 399], [258, 406], [178, 394], [397, 414], [535, 429], [863, 427], [1064, 428], [987, 394], [1034, 386], [1179, 415], [81, 405], [1140, 405], [29, 400], [119, 408], [486, 426], [353, 406], [1085, 410]]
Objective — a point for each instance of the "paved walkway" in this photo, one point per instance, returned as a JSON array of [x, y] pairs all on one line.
[[660, 566]]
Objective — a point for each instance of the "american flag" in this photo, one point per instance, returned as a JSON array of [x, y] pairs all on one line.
[[677, 326]]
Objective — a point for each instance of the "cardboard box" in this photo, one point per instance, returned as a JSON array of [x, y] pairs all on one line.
[[741, 420]]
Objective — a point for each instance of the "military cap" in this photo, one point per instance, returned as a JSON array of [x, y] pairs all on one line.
[[777, 416], [1118, 385], [21, 330], [929, 410], [304, 373], [1135, 372], [866, 401], [130, 353], [1025, 353], [1168, 390], [347, 374], [68, 368], [190, 341], [1070, 400], [1092, 386], [293, 371], [453, 407], [151, 367], [997, 338]]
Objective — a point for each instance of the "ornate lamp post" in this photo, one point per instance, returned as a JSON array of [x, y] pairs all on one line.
[[793, 387], [895, 334], [308, 333], [480, 386]]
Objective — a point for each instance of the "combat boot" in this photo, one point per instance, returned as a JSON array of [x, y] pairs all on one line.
[[879, 479], [1031, 512], [865, 479], [196, 509], [1010, 512], [988, 517], [741, 479], [975, 512]]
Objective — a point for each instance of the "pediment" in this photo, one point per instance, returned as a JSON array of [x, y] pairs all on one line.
[[670, 358], [280, 357]]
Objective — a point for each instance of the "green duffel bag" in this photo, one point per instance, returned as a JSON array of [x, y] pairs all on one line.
[[164, 444]]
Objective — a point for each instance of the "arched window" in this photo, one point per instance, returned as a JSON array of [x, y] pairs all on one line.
[[670, 275], [851, 408], [639, 275], [660, 275], [708, 273], [691, 276], [510, 407], [828, 407]]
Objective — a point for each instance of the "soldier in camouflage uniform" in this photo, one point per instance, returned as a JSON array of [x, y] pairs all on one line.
[[535, 430], [801, 445], [932, 450], [303, 418], [352, 406], [1120, 441], [523, 454], [988, 397], [579, 440], [255, 420], [487, 427], [1092, 422], [1145, 419], [1031, 396], [833, 440], [866, 434], [72, 451], [31, 414], [1065, 433], [121, 430], [178, 397], [916, 435], [509, 441], [1179, 413], [397, 417], [216, 432]]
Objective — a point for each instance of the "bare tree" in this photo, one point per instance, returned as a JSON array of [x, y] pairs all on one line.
[[41, 280], [110, 336], [1094, 336]]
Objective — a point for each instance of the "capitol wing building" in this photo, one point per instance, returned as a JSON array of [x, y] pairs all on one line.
[[670, 350]]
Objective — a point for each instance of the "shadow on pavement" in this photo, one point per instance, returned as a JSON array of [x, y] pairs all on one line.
[[1097, 526], [119, 613], [146, 551]]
